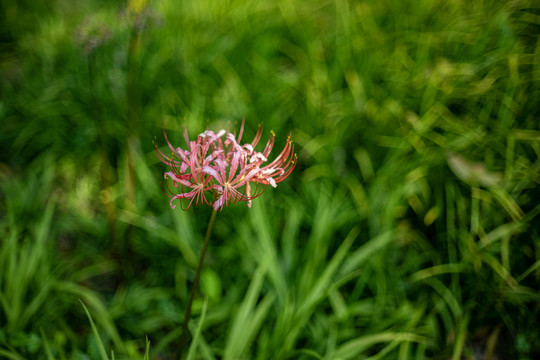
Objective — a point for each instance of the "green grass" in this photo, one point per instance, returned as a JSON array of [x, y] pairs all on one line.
[[408, 230]]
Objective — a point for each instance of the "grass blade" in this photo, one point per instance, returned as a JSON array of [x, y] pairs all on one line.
[[101, 348], [196, 338], [353, 348]]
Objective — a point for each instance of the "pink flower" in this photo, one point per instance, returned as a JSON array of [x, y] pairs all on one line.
[[222, 169]]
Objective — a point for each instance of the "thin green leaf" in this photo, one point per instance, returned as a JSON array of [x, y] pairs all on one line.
[[100, 345], [192, 353], [353, 348]]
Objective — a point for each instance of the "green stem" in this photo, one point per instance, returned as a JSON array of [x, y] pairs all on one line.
[[196, 282]]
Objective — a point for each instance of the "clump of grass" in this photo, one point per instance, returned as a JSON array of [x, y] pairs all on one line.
[[408, 229]]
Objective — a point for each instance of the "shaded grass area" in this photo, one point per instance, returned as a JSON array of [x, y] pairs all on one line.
[[408, 230]]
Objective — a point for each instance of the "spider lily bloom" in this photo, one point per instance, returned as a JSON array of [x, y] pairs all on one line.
[[225, 169]]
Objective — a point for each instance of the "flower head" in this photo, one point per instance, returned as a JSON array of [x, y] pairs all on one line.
[[216, 169]]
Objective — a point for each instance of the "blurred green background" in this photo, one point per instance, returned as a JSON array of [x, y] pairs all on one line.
[[408, 230]]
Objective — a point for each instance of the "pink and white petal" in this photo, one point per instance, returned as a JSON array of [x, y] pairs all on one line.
[[218, 204], [242, 179], [211, 157], [221, 133], [248, 193], [248, 148], [271, 181], [214, 173], [186, 137], [178, 179], [258, 157], [220, 163], [241, 130], [234, 165]]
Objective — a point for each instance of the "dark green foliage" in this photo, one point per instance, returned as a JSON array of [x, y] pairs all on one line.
[[408, 230]]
